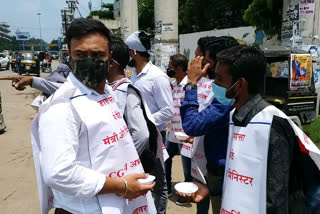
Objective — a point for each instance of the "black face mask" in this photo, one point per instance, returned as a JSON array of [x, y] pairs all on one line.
[[132, 63], [90, 71], [171, 73]]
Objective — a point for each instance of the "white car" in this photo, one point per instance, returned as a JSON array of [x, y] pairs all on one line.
[[4, 61]]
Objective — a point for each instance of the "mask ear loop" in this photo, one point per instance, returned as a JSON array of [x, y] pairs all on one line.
[[232, 87]]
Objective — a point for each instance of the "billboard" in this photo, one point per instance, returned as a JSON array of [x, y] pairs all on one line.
[[22, 36], [300, 71]]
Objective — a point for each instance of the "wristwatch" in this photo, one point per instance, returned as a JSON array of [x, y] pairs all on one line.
[[190, 86]]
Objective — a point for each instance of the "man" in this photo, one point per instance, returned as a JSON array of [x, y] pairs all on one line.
[[177, 69], [155, 87], [211, 121], [213, 46], [268, 165], [84, 155], [2, 124], [18, 63]]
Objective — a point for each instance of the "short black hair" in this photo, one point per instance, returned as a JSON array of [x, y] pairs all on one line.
[[218, 44], [178, 60], [120, 52], [245, 62], [202, 43], [80, 27], [146, 42]]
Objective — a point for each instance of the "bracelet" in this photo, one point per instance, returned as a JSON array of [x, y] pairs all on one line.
[[126, 184]]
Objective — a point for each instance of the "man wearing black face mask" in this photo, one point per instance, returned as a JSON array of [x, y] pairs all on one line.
[[214, 46], [83, 151], [177, 69], [155, 86]]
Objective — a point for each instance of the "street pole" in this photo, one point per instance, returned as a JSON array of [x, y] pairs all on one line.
[[166, 31], [39, 14], [128, 17], [65, 22]]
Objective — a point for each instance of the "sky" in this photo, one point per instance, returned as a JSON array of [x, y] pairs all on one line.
[[22, 15]]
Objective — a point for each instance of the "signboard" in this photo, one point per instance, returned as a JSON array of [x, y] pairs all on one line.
[[306, 8], [300, 71], [290, 19], [22, 36], [167, 27]]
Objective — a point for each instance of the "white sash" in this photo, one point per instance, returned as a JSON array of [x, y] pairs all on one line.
[[197, 155], [244, 188], [121, 89], [111, 151]]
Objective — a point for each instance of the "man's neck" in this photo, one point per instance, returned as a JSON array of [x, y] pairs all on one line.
[[240, 102], [140, 65], [115, 77], [100, 87], [179, 78]]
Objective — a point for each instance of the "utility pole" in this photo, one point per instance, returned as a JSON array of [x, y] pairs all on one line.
[[128, 17], [166, 31], [39, 14]]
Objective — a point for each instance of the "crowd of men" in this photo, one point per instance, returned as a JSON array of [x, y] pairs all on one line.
[[99, 131]]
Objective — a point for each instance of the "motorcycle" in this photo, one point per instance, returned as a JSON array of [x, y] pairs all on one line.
[[46, 66]]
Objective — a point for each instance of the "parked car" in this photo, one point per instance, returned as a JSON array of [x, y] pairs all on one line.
[[4, 61]]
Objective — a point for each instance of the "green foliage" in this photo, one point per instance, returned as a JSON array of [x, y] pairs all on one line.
[[105, 13], [146, 15], [312, 130], [198, 15], [202, 15], [266, 15]]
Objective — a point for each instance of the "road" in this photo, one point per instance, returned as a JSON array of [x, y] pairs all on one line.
[[18, 189]]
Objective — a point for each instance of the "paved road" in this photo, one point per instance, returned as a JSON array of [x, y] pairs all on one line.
[[18, 190]]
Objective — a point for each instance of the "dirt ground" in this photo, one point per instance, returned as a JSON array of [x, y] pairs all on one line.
[[18, 189]]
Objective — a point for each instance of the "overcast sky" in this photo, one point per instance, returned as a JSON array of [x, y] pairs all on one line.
[[22, 15]]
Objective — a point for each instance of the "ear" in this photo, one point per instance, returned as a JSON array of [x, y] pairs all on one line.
[[243, 83]]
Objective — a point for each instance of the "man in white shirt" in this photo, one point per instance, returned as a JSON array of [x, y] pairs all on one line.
[[177, 69], [84, 155], [155, 87]]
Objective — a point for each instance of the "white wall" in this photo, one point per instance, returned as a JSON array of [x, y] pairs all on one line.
[[188, 42]]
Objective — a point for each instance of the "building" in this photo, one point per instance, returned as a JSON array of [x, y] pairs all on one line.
[[5, 32]]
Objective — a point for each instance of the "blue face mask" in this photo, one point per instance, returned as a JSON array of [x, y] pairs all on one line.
[[220, 93]]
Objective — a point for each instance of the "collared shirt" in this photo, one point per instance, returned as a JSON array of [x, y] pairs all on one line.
[[44, 85], [213, 122], [155, 86], [289, 173], [65, 161]]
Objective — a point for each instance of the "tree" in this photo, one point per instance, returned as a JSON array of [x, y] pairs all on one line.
[[105, 13], [54, 48], [198, 15], [266, 15], [201, 15], [146, 15]]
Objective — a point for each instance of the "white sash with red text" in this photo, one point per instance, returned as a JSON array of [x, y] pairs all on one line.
[[244, 188], [197, 155], [112, 151], [121, 96]]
